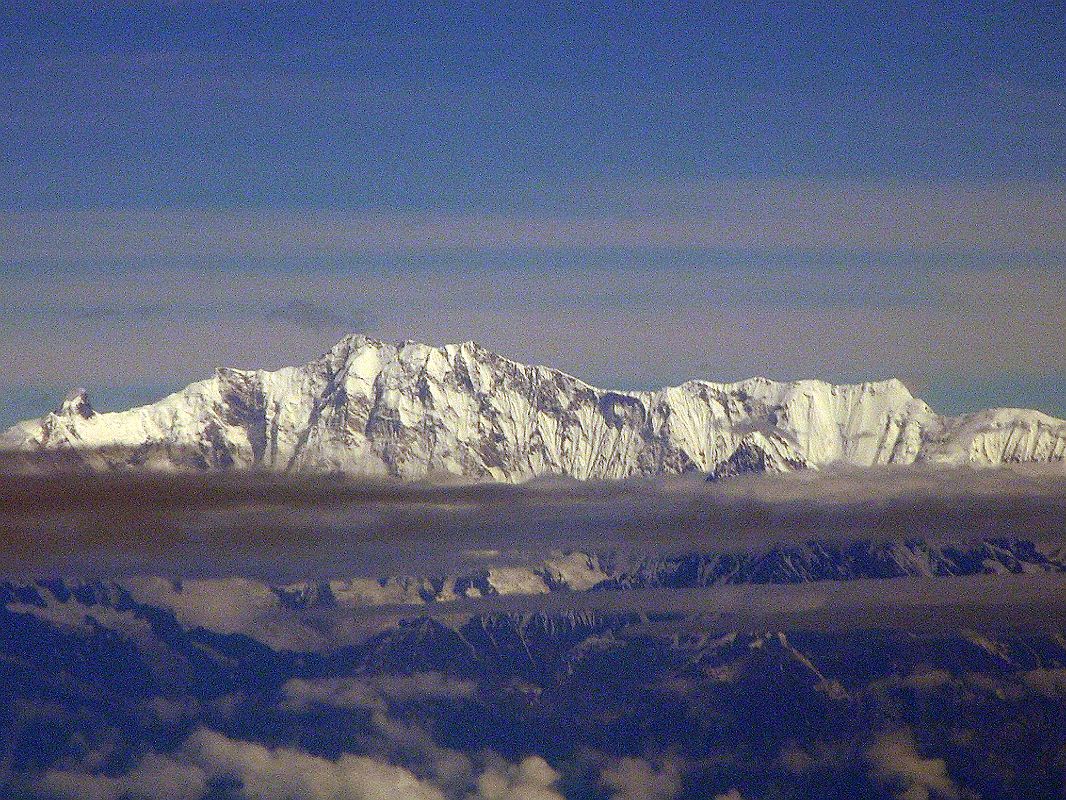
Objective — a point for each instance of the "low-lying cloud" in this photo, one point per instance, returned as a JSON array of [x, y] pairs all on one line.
[[261, 772], [231, 605], [264, 773], [637, 779], [898, 764], [531, 779], [287, 528], [373, 692]]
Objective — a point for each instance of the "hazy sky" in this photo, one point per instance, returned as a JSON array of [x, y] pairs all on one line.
[[638, 197]]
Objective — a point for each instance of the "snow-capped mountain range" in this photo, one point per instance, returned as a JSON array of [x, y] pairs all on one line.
[[411, 410]]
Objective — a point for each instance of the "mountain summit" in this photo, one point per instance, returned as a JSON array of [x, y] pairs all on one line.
[[410, 410]]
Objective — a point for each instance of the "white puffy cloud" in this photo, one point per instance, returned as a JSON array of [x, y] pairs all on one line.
[[77, 616], [636, 779], [532, 779], [395, 741], [154, 778], [898, 763], [413, 745], [289, 774], [285, 773], [264, 773]]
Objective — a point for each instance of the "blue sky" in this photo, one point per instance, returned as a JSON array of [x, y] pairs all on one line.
[[263, 104], [677, 193]]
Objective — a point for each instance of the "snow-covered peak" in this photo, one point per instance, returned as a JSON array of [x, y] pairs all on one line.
[[76, 404], [410, 410]]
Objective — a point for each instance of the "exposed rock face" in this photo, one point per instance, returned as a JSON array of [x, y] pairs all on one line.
[[411, 410]]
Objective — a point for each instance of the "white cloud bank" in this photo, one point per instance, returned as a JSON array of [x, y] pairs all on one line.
[[898, 763], [532, 779], [636, 779], [284, 773], [265, 774]]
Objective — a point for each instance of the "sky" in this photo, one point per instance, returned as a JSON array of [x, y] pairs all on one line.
[[636, 196]]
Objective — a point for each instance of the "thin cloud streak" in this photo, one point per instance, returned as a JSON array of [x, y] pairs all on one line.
[[804, 216], [621, 328]]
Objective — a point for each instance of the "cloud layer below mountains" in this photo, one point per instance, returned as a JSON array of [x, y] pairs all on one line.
[[282, 528]]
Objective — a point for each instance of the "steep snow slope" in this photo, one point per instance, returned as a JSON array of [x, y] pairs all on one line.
[[411, 410]]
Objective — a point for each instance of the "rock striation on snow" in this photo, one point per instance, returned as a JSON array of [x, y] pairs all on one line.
[[411, 410]]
